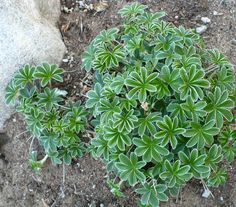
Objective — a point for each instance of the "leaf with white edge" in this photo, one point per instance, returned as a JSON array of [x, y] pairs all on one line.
[[192, 83], [201, 134], [132, 9], [25, 75], [141, 83], [149, 149], [152, 194], [169, 131], [219, 106], [11, 92], [130, 169], [46, 73]]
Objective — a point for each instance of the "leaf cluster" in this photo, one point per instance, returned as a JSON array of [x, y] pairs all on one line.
[[162, 105], [56, 122]]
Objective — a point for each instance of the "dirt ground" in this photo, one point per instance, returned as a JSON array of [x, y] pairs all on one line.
[[85, 184]]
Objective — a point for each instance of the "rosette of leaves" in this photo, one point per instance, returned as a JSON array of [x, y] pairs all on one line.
[[160, 102], [50, 117]]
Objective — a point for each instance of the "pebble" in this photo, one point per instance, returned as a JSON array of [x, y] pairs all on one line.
[[93, 204], [65, 60], [221, 198], [233, 41], [215, 13], [201, 29], [2, 164], [205, 20], [206, 193]]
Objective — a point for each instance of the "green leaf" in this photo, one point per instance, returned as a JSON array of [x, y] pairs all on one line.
[[127, 104], [170, 77], [141, 83], [149, 19], [169, 131], [129, 168], [76, 117], [147, 123], [219, 106], [201, 134], [34, 121], [218, 58], [227, 139], [149, 149], [11, 92], [177, 110], [105, 36], [117, 84], [133, 44], [214, 156], [49, 141], [162, 89], [175, 174], [46, 73], [94, 96], [101, 147], [132, 9], [28, 93], [25, 75], [108, 109], [196, 109], [152, 194], [196, 163], [217, 178], [192, 83], [117, 138], [88, 56], [125, 121], [110, 58], [115, 189], [49, 98], [224, 79]]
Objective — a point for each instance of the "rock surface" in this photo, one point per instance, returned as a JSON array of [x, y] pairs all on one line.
[[28, 35]]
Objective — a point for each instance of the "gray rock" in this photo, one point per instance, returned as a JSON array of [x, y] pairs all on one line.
[[205, 20], [201, 29], [28, 34]]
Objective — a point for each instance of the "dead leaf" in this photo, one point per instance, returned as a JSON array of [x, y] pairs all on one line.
[[65, 27], [101, 6]]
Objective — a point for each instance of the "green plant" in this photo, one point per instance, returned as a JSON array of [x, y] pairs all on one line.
[[50, 117], [162, 105]]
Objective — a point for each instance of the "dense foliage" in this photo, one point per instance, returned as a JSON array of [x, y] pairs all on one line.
[[50, 117], [162, 105]]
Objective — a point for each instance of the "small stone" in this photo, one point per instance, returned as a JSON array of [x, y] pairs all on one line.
[[93, 204], [205, 20], [215, 13], [176, 17], [206, 193], [233, 41], [221, 198], [2, 164], [201, 29], [65, 60], [81, 4]]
